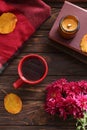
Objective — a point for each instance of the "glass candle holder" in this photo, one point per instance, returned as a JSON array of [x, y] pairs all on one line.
[[68, 26]]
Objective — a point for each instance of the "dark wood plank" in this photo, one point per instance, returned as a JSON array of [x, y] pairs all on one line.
[[64, 65], [36, 128], [61, 65], [33, 113], [59, 3], [52, 1], [29, 92]]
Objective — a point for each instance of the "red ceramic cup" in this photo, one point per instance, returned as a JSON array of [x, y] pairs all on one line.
[[32, 69]]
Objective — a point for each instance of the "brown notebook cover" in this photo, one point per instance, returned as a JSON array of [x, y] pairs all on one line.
[[71, 46]]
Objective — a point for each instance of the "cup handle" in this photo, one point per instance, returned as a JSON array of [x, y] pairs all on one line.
[[18, 83]]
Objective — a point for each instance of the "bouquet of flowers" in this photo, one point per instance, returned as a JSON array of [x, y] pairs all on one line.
[[68, 99]]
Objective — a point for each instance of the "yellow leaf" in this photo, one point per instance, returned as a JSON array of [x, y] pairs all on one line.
[[12, 103], [83, 43], [7, 23]]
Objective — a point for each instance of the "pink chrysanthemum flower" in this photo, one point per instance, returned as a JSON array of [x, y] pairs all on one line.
[[66, 98]]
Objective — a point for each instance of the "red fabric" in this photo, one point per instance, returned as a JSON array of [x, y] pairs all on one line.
[[30, 14], [35, 10]]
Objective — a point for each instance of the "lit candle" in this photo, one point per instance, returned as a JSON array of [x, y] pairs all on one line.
[[68, 26]]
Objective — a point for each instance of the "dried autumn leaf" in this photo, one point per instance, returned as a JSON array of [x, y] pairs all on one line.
[[83, 43], [7, 23], [12, 103]]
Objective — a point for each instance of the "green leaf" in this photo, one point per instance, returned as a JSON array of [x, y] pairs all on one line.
[[82, 122], [78, 128]]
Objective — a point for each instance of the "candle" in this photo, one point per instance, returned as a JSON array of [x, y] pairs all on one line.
[[68, 26]]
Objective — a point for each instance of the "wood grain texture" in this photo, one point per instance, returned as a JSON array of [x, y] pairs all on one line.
[[61, 65], [36, 128], [79, 1], [32, 114]]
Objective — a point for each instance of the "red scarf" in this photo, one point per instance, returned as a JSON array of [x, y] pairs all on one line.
[[30, 14]]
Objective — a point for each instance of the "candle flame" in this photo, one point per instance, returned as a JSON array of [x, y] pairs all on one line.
[[69, 25]]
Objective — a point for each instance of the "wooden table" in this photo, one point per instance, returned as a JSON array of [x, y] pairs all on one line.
[[61, 65]]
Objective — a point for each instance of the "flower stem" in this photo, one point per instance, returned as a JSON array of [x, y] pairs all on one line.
[[82, 122]]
